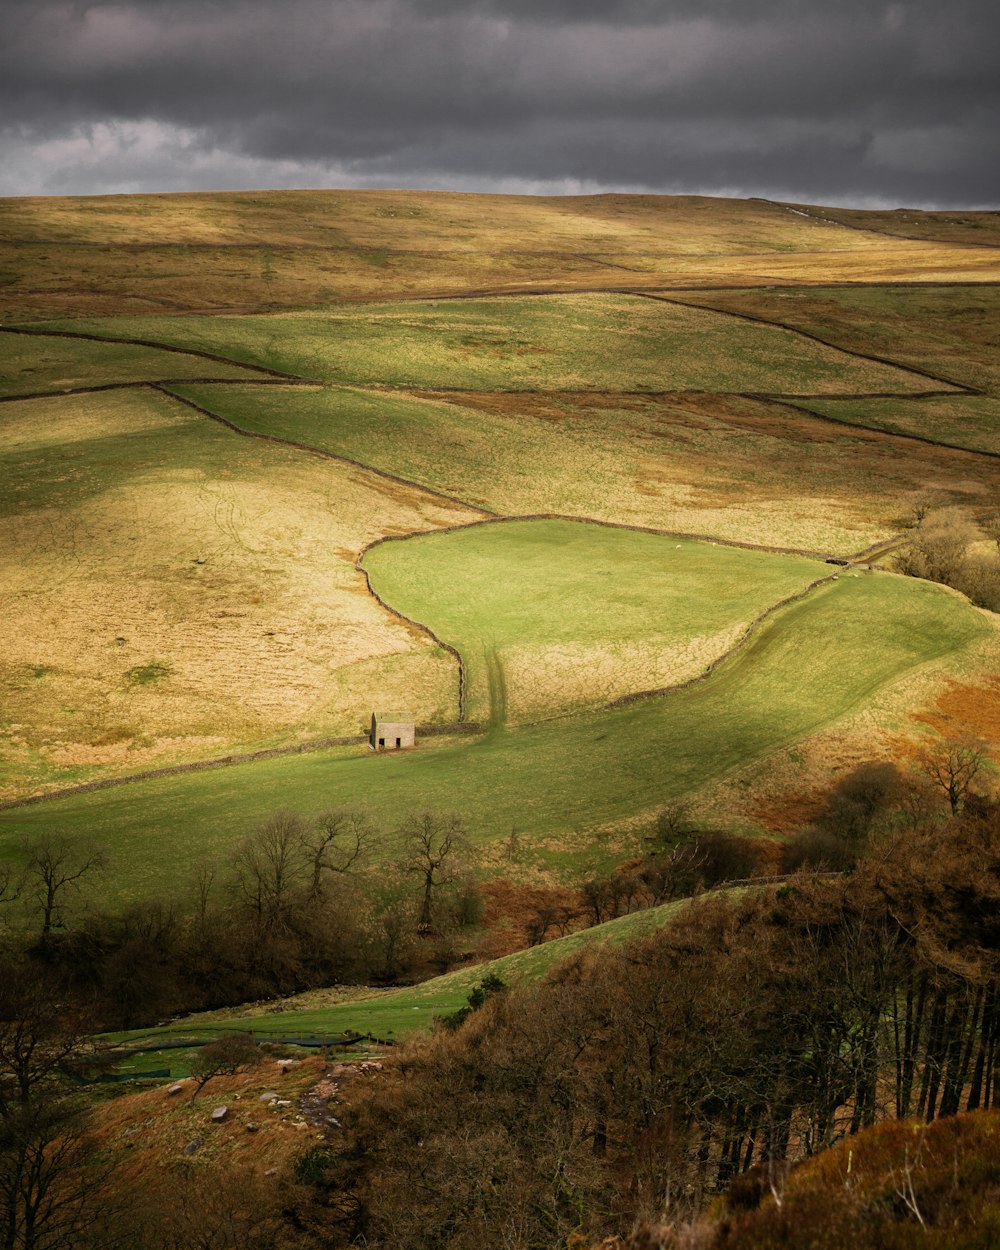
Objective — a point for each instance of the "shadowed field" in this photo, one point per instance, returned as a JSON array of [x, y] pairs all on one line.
[[171, 590], [569, 782], [34, 364], [395, 1014]]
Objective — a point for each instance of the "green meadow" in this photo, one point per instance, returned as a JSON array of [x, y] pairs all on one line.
[[552, 615], [971, 421], [564, 783], [398, 1013], [947, 330], [31, 364], [569, 342]]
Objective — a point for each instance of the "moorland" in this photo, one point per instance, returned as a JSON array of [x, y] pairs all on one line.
[[664, 518]]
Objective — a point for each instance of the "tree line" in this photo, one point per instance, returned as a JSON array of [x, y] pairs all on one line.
[[302, 903]]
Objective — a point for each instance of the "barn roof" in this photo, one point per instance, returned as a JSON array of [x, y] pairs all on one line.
[[394, 718]]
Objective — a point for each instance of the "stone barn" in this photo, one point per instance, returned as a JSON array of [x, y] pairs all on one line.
[[392, 731]]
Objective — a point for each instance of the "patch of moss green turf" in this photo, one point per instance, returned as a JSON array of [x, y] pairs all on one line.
[[812, 663]]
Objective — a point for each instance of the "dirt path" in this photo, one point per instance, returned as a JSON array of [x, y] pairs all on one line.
[[278, 377], [806, 210]]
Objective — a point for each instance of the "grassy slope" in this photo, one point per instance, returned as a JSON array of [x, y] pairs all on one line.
[[971, 421], [950, 330], [579, 614], [431, 220], [398, 1013], [734, 468], [589, 342], [251, 251], [134, 532], [31, 364], [560, 783], [679, 462]]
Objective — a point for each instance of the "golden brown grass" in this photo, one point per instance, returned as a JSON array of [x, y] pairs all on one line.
[[169, 1123], [973, 227], [254, 251], [174, 590], [721, 465], [121, 649]]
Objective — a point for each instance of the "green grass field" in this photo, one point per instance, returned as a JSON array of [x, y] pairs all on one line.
[[588, 342], [563, 784], [948, 330], [568, 615], [30, 364], [399, 1013], [971, 421]]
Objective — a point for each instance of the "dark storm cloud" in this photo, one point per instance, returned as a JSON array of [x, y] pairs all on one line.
[[846, 101]]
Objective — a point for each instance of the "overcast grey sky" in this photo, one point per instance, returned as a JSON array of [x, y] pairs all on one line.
[[843, 101]]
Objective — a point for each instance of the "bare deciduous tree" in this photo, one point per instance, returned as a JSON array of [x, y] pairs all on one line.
[[223, 1057], [953, 767], [55, 867], [269, 868], [50, 1178], [432, 843], [335, 843]]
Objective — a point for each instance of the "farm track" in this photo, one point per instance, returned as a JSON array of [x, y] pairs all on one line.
[[275, 377]]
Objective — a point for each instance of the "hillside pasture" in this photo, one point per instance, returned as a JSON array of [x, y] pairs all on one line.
[[947, 330], [570, 786], [428, 220], [555, 616], [976, 228], [594, 342], [30, 365], [260, 251], [722, 465], [171, 590], [971, 421]]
